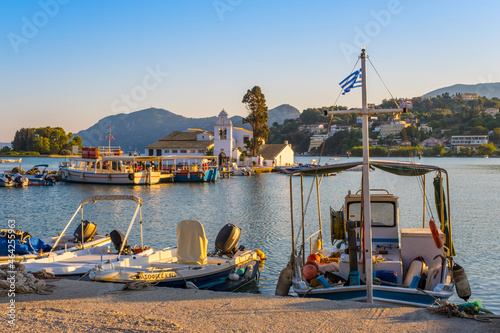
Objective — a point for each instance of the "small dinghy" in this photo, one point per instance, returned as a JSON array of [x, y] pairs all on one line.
[[69, 257], [229, 267]]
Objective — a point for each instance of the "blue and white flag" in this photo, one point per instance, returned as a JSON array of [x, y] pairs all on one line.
[[352, 81]]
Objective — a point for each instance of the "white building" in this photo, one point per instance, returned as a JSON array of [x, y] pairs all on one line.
[[227, 139], [491, 111], [471, 141], [393, 128], [316, 141], [194, 142], [277, 154]]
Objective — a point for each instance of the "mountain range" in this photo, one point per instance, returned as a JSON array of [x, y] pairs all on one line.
[[138, 129], [489, 90]]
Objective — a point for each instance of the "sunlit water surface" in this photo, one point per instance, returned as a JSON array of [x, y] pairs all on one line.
[[259, 205]]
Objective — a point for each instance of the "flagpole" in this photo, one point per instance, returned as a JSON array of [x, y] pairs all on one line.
[[365, 190], [109, 141], [365, 187]]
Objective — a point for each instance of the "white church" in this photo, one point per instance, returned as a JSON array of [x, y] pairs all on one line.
[[227, 142]]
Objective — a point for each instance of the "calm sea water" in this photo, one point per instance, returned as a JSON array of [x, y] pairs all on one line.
[[259, 205]]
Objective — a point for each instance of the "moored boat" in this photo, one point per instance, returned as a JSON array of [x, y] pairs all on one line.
[[12, 177], [102, 166], [227, 268], [190, 168], [373, 258], [40, 177], [69, 257]]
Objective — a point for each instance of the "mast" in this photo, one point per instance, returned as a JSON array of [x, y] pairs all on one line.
[[365, 186], [365, 189], [109, 141]]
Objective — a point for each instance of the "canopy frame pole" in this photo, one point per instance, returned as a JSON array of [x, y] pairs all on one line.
[[424, 198], [140, 223], [128, 231], [82, 229], [303, 218], [319, 211], [65, 228], [291, 214]]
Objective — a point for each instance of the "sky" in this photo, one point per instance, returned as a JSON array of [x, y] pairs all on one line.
[[70, 63]]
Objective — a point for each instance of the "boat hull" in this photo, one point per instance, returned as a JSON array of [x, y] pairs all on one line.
[[196, 176], [88, 177], [394, 295], [228, 275]]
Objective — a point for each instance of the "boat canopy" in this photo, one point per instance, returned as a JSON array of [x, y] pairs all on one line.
[[41, 166], [11, 161], [397, 168], [111, 197]]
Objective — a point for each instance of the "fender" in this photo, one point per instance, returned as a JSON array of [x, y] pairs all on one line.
[[435, 234]]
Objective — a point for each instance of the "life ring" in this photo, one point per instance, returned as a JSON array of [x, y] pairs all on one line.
[[131, 176], [435, 234]]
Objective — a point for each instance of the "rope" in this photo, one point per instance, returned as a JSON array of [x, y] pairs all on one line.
[[412, 159], [472, 310], [24, 282], [137, 285]]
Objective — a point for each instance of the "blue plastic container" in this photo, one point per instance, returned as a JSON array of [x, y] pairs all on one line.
[[354, 278], [414, 282], [387, 276], [323, 281]]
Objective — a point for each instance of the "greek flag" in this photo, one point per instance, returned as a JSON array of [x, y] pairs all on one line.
[[352, 81]]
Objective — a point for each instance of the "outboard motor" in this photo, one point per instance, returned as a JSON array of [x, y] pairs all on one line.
[[18, 180], [227, 239], [117, 238], [89, 231]]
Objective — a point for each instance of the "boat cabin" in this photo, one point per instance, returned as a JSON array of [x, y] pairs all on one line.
[[393, 248]]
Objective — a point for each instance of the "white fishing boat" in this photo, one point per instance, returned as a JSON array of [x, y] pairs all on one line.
[[69, 257], [373, 257], [227, 268]]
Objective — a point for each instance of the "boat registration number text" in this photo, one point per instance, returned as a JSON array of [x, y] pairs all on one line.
[[154, 276]]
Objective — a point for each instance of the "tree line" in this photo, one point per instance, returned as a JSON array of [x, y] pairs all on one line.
[[43, 140], [446, 115]]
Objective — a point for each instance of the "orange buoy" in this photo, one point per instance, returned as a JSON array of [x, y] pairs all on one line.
[[313, 257], [314, 263], [435, 234], [309, 272]]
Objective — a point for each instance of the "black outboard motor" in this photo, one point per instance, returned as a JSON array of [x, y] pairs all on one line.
[[227, 239], [117, 238], [89, 231], [18, 180]]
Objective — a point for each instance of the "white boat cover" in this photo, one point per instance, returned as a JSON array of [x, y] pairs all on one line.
[[191, 243]]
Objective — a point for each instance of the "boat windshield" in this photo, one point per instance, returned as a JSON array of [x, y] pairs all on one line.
[[383, 213]]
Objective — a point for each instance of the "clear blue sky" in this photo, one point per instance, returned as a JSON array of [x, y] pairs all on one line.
[[70, 63]]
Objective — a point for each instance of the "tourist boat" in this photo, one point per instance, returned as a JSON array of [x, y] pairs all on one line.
[[40, 177], [373, 257], [106, 165], [190, 168], [229, 267], [69, 257]]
